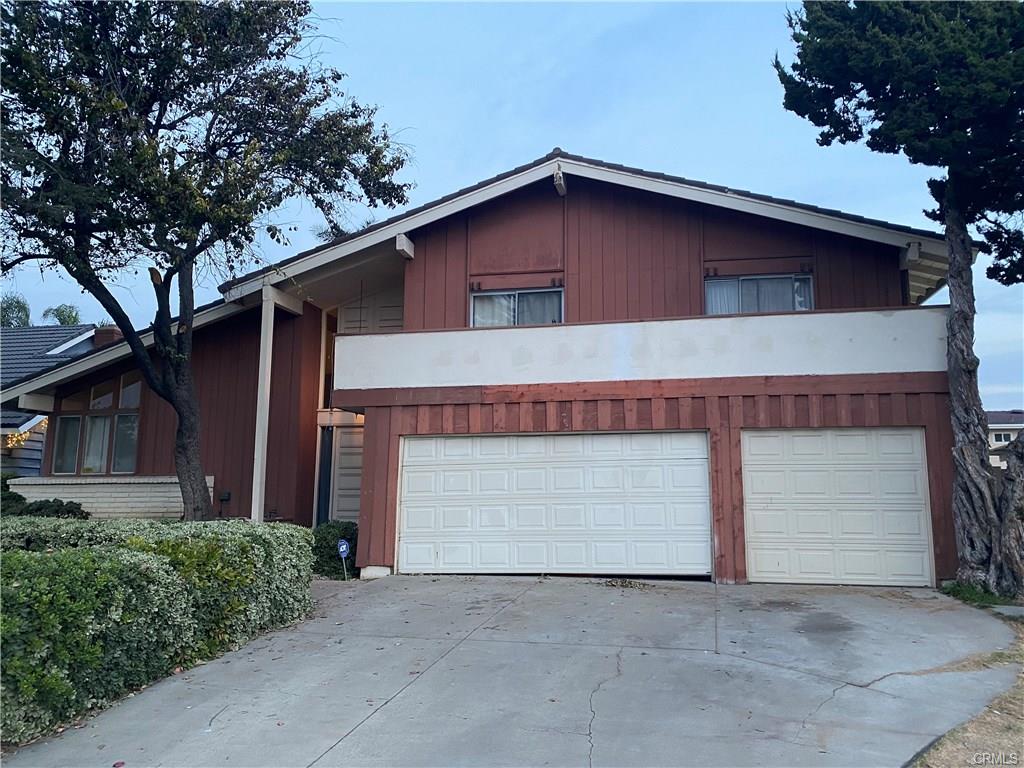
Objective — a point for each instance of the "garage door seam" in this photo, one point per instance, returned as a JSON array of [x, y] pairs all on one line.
[[426, 669]]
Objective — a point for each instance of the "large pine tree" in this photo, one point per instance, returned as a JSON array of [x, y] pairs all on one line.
[[943, 84]]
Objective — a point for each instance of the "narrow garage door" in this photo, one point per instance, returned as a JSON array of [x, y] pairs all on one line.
[[624, 503], [837, 506]]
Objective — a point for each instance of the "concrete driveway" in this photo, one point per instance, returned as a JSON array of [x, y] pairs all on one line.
[[502, 671]]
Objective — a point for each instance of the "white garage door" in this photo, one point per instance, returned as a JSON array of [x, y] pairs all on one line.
[[633, 503], [846, 506]]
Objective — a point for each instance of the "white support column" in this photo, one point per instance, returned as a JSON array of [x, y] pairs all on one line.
[[259, 459], [319, 406]]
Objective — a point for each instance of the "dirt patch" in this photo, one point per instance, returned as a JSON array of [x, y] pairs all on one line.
[[779, 605], [627, 584], [996, 736]]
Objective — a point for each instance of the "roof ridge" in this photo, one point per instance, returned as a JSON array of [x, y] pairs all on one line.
[[559, 153]]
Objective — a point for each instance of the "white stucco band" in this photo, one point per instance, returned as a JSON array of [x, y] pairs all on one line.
[[109, 496], [859, 342]]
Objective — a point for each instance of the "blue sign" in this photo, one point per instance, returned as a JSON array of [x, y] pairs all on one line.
[[342, 548]]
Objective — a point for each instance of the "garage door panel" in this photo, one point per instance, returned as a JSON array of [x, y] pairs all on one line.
[[615, 503], [834, 505]]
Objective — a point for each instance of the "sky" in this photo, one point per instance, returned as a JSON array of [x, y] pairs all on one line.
[[472, 90]]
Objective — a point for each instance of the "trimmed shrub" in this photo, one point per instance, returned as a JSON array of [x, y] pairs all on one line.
[[71, 510], [82, 627], [11, 502], [39, 534], [325, 549], [234, 580], [244, 578]]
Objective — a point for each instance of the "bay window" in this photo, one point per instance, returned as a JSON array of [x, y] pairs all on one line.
[[97, 429]]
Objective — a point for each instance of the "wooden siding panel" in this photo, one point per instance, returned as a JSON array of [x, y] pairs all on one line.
[[640, 406], [225, 359]]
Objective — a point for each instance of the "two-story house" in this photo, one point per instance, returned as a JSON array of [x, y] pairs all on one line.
[[572, 367]]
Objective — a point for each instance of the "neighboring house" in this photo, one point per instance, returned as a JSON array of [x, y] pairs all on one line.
[[573, 367], [24, 351], [1003, 427]]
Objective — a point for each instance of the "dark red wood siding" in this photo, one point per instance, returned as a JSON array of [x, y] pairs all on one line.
[[294, 385], [722, 407], [625, 254], [225, 362]]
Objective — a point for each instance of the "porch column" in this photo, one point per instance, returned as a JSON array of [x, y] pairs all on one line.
[[271, 298]]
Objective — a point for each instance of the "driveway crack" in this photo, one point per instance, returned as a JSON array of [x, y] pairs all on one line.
[[593, 712], [817, 709], [209, 725]]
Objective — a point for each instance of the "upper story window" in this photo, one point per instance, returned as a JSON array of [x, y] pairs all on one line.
[[768, 293], [1001, 437], [98, 428], [503, 308]]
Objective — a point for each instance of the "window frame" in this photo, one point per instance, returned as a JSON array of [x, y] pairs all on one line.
[[78, 443], [1001, 437], [515, 309], [83, 415], [809, 276]]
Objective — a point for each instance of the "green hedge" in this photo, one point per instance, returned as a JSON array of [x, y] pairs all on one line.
[[43, 508], [81, 627], [234, 580], [325, 549]]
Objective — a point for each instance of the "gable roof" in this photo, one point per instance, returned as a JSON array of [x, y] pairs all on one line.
[[31, 349], [63, 368], [931, 244], [28, 350]]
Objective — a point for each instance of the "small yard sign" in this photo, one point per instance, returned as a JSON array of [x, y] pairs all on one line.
[[343, 553]]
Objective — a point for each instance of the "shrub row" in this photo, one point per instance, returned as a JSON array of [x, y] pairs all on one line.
[[14, 504], [93, 609]]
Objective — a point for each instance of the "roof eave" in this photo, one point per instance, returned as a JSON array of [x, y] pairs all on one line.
[[112, 353], [547, 166]]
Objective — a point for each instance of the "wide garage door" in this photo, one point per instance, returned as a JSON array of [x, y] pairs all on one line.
[[613, 503], [837, 506]]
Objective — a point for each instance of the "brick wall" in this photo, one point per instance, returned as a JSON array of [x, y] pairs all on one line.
[[109, 496]]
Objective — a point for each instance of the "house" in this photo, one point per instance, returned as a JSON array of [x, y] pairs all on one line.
[[572, 367], [1003, 427], [24, 351]]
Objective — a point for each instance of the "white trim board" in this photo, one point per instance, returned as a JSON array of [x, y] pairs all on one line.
[[831, 343], [28, 425], [719, 198], [83, 365], [72, 342]]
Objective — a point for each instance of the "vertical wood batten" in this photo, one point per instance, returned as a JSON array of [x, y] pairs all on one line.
[[724, 418]]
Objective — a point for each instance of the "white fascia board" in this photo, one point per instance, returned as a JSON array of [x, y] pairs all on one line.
[[81, 366], [390, 232], [28, 425], [1005, 426], [72, 342], [718, 198], [738, 202]]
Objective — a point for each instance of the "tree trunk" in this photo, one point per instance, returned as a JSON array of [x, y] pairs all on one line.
[[195, 493], [988, 529]]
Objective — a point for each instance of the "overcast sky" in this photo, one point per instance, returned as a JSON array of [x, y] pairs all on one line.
[[686, 89]]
